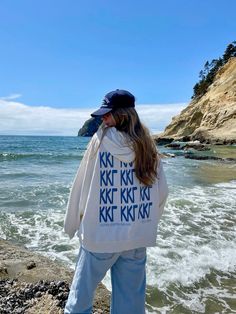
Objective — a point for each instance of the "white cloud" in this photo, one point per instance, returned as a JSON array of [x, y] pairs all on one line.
[[17, 118], [11, 97], [158, 116]]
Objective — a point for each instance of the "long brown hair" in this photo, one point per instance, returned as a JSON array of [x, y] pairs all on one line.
[[140, 140]]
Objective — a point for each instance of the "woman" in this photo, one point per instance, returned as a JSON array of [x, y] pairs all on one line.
[[115, 203]]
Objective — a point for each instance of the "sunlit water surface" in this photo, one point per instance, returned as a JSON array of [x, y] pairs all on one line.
[[193, 268]]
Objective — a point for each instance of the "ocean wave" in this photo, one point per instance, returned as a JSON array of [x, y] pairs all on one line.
[[40, 156], [192, 268]]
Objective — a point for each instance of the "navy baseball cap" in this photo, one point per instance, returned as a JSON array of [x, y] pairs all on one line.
[[116, 99]]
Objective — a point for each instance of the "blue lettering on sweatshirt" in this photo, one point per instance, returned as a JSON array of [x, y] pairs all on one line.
[[144, 210], [127, 212], [145, 193], [127, 177], [107, 195], [125, 164], [106, 213], [127, 194], [106, 159], [107, 177], [134, 202]]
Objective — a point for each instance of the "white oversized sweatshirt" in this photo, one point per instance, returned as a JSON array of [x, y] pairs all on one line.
[[108, 207]]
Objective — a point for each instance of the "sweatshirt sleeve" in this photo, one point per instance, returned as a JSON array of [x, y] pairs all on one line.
[[73, 212], [163, 189]]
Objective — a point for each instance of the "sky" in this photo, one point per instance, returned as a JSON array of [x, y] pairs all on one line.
[[59, 58]]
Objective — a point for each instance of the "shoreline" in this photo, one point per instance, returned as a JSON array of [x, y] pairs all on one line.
[[167, 139], [23, 274]]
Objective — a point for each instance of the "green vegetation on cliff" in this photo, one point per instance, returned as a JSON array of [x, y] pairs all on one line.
[[207, 75]]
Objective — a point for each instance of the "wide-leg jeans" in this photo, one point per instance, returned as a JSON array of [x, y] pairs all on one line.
[[128, 279]]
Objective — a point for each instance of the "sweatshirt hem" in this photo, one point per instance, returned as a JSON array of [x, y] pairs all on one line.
[[108, 247]]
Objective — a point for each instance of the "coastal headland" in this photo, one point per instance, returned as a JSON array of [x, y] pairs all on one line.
[[209, 118]]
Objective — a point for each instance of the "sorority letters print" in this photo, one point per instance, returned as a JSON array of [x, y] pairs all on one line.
[[121, 200]]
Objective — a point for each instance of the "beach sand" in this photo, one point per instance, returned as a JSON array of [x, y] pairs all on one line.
[[32, 283]]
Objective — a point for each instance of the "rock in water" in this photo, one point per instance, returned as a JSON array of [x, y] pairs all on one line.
[[90, 127]]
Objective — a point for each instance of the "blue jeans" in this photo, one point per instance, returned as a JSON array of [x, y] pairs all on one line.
[[128, 278]]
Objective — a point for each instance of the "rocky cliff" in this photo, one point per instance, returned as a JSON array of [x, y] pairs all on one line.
[[212, 117]]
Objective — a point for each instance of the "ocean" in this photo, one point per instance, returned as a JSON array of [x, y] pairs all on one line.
[[193, 268]]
